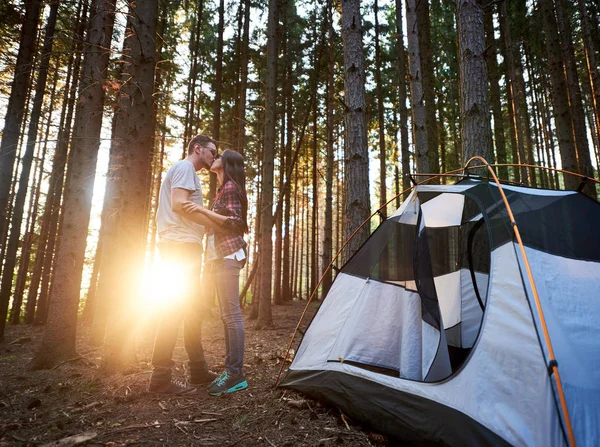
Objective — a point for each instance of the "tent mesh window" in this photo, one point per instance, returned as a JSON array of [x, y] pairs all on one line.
[[444, 268]]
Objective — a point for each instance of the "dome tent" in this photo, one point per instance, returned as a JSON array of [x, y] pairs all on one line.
[[432, 332]]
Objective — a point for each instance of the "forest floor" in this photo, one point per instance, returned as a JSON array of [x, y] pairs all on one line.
[[75, 404]]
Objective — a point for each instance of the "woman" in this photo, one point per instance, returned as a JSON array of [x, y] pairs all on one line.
[[226, 256]]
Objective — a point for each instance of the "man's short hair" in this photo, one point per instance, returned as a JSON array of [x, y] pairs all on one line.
[[202, 140]]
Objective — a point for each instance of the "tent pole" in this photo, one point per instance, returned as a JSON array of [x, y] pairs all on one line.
[[553, 363]]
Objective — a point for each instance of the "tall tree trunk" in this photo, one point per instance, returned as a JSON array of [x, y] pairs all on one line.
[[89, 311], [505, 44], [402, 94], [560, 98], [218, 87], [64, 138], [476, 135], [427, 79], [31, 237], [193, 74], [358, 205], [26, 162], [330, 101], [416, 89], [288, 88], [314, 259], [495, 99], [277, 277], [380, 114], [52, 203], [16, 110], [132, 139], [59, 339], [593, 68], [574, 90], [265, 318], [240, 139]]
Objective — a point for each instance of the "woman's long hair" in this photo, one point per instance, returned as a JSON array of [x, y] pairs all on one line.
[[233, 169]]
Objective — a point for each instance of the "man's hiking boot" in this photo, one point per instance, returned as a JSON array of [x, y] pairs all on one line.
[[170, 387], [203, 378], [227, 382]]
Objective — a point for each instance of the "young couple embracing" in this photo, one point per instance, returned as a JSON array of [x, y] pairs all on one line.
[[182, 224]]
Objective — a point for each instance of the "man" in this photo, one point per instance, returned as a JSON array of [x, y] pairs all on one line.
[[180, 245]]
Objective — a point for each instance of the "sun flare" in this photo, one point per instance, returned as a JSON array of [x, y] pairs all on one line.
[[164, 284]]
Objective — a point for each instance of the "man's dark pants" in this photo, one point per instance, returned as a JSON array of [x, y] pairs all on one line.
[[189, 309]]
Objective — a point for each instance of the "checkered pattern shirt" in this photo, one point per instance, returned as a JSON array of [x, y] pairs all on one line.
[[228, 202]]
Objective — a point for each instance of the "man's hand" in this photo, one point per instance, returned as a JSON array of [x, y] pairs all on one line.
[[191, 207]]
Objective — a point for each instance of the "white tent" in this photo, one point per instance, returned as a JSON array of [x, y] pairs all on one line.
[[431, 332]]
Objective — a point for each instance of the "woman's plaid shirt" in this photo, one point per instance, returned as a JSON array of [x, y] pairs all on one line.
[[228, 202]]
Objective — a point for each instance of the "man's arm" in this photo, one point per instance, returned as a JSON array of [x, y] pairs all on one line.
[[178, 197]]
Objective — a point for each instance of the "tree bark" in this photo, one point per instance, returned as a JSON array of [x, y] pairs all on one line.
[[560, 98], [476, 135], [328, 223], [265, 318], [16, 110], [59, 339], [402, 94], [358, 206], [380, 114], [495, 98], [427, 79], [10, 256], [575, 97], [132, 140], [419, 130], [592, 65], [35, 199]]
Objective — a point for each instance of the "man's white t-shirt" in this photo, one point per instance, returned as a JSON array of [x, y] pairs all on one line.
[[173, 227]]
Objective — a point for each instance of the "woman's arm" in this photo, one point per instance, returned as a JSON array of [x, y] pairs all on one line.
[[195, 213], [215, 220], [179, 197], [231, 220]]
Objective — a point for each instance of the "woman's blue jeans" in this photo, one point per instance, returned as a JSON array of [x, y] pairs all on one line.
[[227, 282]]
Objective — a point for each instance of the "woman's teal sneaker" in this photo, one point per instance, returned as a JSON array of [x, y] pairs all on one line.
[[227, 382]]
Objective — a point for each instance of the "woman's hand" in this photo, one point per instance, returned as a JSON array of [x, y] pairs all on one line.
[[191, 207]]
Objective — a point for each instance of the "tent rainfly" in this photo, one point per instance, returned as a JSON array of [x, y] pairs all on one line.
[[442, 328]]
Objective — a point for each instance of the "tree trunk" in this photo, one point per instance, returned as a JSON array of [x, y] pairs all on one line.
[[575, 98], [288, 88], [132, 139], [495, 99], [15, 111], [35, 200], [592, 65], [218, 87], [59, 339], [426, 58], [64, 137], [358, 206], [266, 224], [404, 148], [240, 135], [328, 224], [476, 135], [314, 234], [10, 255], [89, 311], [380, 114], [416, 89], [560, 98]]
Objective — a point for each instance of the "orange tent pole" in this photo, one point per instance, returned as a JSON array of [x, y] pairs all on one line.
[[553, 363]]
